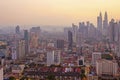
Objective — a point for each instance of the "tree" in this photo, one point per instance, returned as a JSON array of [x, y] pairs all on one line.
[[24, 78], [12, 78], [82, 75], [51, 77]]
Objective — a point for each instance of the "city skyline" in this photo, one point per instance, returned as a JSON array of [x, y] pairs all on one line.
[[55, 12]]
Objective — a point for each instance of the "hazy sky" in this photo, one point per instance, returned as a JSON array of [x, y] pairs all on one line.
[[55, 12]]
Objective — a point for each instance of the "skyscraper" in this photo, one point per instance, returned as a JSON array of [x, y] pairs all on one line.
[[1, 73], [21, 49], [35, 30], [70, 39], [99, 22], [17, 30], [34, 40], [26, 38], [74, 31], [112, 30], [60, 44], [118, 53], [50, 57], [105, 24]]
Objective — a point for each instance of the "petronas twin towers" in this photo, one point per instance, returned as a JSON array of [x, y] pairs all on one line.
[[102, 25]]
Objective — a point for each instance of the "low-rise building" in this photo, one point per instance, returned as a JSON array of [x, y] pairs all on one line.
[[106, 67]]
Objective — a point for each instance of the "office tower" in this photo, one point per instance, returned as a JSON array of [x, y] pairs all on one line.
[[95, 56], [106, 67], [99, 22], [50, 57], [60, 44], [118, 53], [113, 31], [35, 30], [1, 73], [91, 31], [17, 30], [34, 40], [66, 29], [116, 31], [21, 49], [14, 54], [70, 40], [2, 58], [26, 38], [57, 57], [83, 29], [105, 24], [74, 31], [79, 39]]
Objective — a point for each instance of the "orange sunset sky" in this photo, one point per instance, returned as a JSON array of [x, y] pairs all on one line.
[[55, 12]]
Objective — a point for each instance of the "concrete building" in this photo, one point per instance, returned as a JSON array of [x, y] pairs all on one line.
[[17, 29], [26, 38], [36, 30], [57, 57], [81, 61], [1, 73], [60, 44], [91, 31], [105, 25], [50, 57], [66, 29], [95, 56], [106, 67], [14, 54], [34, 40], [74, 31], [21, 49], [99, 22], [79, 39], [118, 52], [83, 29], [70, 40]]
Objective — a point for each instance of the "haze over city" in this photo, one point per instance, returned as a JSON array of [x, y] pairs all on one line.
[[55, 12], [59, 39]]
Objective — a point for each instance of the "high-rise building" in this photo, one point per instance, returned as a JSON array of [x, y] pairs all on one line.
[[105, 24], [79, 39], [21, 49], [99, 22], [57, 57], [1, 73], [83, 29], [17, 30], [35, 30], [95, 56], [113, 31], [118, 52], [34, 40], [14, 54], [91, 31], [26, 38], [70, 39], [66, 29], [60, 44], [50, 57], [74, 31], [106, 67]]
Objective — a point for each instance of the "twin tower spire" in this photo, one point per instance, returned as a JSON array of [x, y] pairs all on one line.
[[105, 16], [102, 24]]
